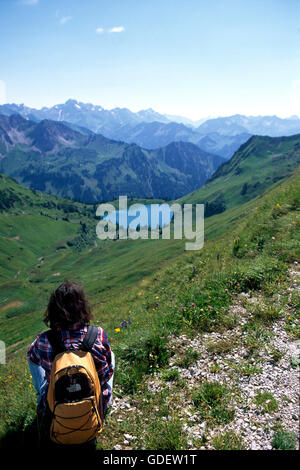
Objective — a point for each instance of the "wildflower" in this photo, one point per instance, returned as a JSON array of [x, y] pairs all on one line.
[[153, 310], [278, 205], [182, 308], [237, 285], [193, 305], [30, 386], [209, 307], [226, 290], [157, 297], [117, 330]]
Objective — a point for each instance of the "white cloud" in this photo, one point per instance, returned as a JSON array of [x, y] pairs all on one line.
[[29, 2], [65, 19], [2, 92], [116, 29]]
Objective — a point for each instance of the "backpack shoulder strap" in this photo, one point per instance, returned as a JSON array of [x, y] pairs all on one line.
[[89, 339], [56, 342]]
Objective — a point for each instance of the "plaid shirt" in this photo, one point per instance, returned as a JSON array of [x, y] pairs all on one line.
[[41, 353]]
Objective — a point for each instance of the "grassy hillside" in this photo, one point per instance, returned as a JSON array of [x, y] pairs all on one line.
[[248, 250], [257, 164]]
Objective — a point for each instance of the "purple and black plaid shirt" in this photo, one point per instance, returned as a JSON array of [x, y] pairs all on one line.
[[41, 353]]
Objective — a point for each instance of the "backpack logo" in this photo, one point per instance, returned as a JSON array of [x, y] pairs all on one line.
[[74, 388]]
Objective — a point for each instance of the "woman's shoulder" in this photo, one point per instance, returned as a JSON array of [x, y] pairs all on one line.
[[102, 338], [101, 333], [42, 338], [39, 344]]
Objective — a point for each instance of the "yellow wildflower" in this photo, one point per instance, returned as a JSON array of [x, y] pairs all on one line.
[[117, 330]]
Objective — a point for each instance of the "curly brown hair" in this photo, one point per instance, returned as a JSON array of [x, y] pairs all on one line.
[[67, 305]]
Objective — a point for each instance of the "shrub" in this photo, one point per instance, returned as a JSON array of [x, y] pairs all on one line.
[[216, 206], [245, 367], [142, 357], [171, 375], [256, 336], [222, 346], [166, 435], [228, 441], [266, 401], [254, 274], [266, 313], [212, 401], [284, 440], [189, 358]]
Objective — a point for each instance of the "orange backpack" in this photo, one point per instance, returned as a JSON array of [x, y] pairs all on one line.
[[74, 393]]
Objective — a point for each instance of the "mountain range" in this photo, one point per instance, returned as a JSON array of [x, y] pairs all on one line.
[[52, 157], [150, 130]]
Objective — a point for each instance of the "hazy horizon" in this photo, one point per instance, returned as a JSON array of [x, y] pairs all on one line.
[[178, 115]]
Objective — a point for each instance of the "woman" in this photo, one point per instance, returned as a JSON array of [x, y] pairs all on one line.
[[69, 315]]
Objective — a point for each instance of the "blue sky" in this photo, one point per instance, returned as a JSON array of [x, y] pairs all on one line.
[[195, 58]]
